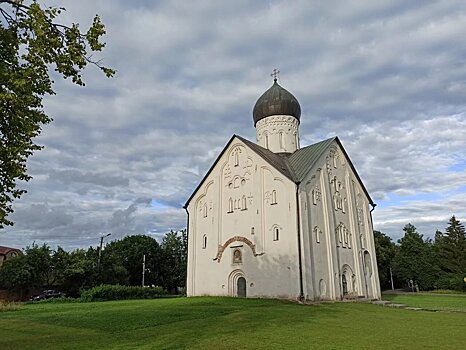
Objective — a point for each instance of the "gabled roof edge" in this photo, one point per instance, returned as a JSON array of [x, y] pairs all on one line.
[[335, 138], [290, 176], [371, 202], [185, 206]]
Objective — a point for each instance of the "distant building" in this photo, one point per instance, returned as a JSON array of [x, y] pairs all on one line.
[[272, 219], [7, 252]]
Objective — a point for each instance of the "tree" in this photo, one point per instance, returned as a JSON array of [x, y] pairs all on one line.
[[174, 257], [385, 251], [450, 248], [73, 271], [415, 260], [33, 269], [130, 251], [30, 42]]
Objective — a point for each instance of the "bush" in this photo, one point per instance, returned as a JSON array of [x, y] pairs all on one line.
[[451, 281], [116, 292]]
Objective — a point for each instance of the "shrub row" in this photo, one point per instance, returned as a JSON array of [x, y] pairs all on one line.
[[452, 281], [116, 292]]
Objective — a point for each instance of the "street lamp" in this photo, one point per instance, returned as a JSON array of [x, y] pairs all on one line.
[[100, 250]]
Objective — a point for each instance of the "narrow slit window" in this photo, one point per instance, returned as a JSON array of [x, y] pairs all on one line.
[[205, 210], [276, 234], [230, 205], [243, 203], [204, 242], [274, 197]]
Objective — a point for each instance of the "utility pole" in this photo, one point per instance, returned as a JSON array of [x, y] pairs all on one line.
[[391, 278], [100, 250], [143, 268]]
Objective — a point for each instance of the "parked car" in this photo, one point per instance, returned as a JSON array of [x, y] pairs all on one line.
[[47, 294]]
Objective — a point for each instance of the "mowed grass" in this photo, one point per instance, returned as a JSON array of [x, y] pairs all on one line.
[[227, 323], [430, 301]]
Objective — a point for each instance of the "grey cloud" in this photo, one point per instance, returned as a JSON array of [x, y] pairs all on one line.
[[74, 176], [387, 77]]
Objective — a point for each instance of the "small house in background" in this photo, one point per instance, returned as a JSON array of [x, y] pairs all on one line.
[[7, 253]]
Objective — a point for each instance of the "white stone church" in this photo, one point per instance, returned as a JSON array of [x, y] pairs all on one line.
[[272, 219]]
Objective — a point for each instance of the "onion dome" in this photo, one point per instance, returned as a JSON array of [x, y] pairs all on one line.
[[276, 101]]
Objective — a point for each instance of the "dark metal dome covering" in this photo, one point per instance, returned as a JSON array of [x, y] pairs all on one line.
[[276, 101]]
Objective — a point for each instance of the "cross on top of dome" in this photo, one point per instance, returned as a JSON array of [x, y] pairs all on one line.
[[275, 74]]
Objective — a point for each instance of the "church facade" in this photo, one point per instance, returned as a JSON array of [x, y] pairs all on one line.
[[272, 219]]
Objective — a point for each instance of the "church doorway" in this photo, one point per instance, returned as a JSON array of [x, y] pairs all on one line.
[[344, 284], [237, 284], [241, 287]]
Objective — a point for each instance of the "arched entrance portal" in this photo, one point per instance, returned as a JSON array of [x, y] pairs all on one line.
[[237, 284], [241, 287], [344, 284]]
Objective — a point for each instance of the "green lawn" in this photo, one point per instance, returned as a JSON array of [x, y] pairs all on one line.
[[227, 323], [430, 301]]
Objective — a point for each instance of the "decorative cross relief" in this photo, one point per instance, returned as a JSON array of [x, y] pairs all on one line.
[[316, 195], [360, 212], [339, 201], [227, 173], [247, 168], [331, 164]]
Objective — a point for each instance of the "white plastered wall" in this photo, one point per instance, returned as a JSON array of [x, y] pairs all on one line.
[[238, 207], [278, 133], [337, 231]]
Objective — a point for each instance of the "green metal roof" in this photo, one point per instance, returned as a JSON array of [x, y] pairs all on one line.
[[304, 159]]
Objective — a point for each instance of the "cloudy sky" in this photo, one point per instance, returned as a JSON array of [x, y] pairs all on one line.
[[124, 154]]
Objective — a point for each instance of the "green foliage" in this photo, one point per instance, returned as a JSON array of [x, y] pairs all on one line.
[[174, 256], [73, 271], [451, 281], [451, 248], [117, 292], [130, 251], [385, 251], [30, 42], [27, 271], [415, 260]]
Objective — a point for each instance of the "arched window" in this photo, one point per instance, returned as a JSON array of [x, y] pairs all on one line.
[[243, 203], [230, 205], [205, 210], [276, 233], [296, 140], [273, 199], [204, 242], [280, 139], [266, 136], [317, 233]]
